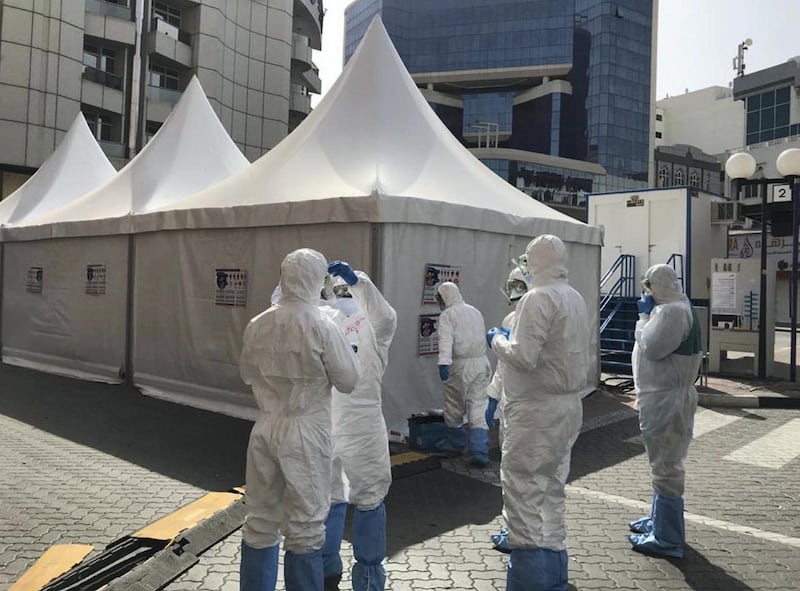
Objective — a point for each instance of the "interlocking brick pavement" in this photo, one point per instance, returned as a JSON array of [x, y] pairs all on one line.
[[87, 463]]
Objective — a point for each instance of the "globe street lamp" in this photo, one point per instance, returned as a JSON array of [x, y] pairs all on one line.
[[788, 164], [740, 167]]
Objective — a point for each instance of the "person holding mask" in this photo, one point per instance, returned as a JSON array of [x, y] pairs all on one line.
[[546, 360], [291, 356], [666, 359], [360, 441], [465, 371]]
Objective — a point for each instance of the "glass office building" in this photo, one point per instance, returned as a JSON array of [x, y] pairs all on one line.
[[554, 95]]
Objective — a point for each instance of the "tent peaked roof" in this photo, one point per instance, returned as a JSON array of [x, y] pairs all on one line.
[[77, 166], [190, 152], [372, 134]]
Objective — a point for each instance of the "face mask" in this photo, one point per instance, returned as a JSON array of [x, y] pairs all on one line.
[[347, 305]]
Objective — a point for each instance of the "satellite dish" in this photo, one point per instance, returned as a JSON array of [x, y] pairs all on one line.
[[748, 42]]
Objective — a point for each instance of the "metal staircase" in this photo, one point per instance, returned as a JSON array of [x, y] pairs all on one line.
[[618, 315], [618, 312]]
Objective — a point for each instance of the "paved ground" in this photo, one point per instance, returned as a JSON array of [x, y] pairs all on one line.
[[88, 463]]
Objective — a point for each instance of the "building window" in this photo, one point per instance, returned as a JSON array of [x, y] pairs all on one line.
[[163, 77], [151, 128], [679, 180], [659, 117], [167, 13], [768, 115], [101, 126], [101, 65], [663, 177], [658, 135], [694, 179]]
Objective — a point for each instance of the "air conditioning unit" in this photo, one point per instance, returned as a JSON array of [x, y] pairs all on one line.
[[726, 212]]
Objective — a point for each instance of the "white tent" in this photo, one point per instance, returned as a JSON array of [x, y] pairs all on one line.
[[77, 166], [371, 176], [74, 319]]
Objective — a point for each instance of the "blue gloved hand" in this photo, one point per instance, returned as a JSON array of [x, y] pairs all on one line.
[[645, 304], [444, 372], [506, 331], [343, 270], [490, 409], [493, 332]]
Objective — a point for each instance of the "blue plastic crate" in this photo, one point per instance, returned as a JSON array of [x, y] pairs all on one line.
[[424, 431]]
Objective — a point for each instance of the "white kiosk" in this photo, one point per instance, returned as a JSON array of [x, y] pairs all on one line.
[[735, 306]]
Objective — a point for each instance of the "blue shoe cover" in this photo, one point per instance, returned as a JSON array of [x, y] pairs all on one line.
[[455, 441], [479, 447], [643, 525], [369, 549], [500, 541], [303, 572], [334, 531], [668, 535], [537, 569], [258, 570]]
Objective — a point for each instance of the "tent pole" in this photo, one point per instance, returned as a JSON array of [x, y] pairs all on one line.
[[376, 255], [2, 287], [129, 312]]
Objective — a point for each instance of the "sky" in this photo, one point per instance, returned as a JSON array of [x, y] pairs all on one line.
[[697, 40]]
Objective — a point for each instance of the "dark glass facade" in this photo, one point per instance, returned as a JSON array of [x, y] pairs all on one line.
[[599, 51]]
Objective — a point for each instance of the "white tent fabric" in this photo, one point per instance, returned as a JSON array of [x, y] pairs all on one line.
[[76, 167], [76, 325], [190, 152], [372, 176]]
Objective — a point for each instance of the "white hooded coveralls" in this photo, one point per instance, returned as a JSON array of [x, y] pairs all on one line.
[[546, 360], [462, 346], [292, 354], [664, 380], [360, 441], [496, 384]]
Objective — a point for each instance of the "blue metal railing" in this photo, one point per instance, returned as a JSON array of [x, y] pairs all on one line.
[[623, 287], [676, 262]]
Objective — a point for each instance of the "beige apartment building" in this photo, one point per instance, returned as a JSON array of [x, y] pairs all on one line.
[[124, 64]]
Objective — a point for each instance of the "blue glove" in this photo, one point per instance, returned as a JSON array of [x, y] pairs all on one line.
[[493, 332], [645, 304], [490, 411], [444, 372], [343, 270]]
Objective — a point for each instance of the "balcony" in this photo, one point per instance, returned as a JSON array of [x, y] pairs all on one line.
[[112, 9], [308, 21], [107, 79], [169, 42]]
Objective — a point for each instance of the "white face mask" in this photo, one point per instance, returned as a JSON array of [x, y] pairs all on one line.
[[347, 305]]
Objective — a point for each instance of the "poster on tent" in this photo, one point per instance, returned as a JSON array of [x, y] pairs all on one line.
[[231, 287], [436, 274], [35, 279], [95, 280], [428, 335]]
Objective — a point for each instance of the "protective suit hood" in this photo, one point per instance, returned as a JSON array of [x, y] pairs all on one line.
[[547, 259], [450, 293], [302, 274], [664, 284], [516, 274]]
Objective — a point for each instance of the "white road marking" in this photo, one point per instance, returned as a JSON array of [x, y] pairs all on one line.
[[774, 450], [690, 517]]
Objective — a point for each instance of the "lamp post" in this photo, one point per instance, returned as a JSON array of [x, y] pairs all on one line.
[[788, 164], [739, 167]]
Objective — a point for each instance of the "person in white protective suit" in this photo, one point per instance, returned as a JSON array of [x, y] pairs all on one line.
[[514, 288], [360, 441], [546, 362], [291, 355], [465, 371], [666, 360]]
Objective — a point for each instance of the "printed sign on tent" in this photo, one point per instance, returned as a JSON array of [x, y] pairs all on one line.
[[436, 274], [428, 335], [95, 280], [231, 287], [35, 279]]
